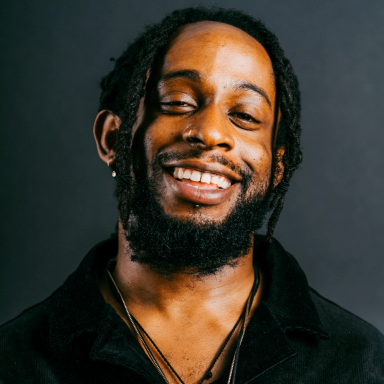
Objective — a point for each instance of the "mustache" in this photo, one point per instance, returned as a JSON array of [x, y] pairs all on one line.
[[164, 157]]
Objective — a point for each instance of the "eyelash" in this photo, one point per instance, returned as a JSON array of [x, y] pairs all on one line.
[[244, 116], [175, 103]]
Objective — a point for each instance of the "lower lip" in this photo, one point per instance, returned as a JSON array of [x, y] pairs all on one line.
[[199, 195]]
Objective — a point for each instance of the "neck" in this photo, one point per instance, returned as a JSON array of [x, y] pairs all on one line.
[[182, 295]]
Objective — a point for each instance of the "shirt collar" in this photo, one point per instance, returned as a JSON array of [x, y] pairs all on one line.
[[287, 306], [288, 294], [79, 305]]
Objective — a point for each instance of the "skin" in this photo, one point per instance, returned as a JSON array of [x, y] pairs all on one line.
[[190, 317]]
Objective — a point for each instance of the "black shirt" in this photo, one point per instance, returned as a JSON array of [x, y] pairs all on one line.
[[295, 336]]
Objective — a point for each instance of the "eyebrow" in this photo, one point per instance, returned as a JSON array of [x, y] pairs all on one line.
[[184, 74], [254, 88], [195, 76]]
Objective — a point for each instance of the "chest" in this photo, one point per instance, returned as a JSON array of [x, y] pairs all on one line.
[[193, 354]]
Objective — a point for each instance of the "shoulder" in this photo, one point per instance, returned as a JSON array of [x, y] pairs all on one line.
[[25, 338], [352, 337], [28, 321]]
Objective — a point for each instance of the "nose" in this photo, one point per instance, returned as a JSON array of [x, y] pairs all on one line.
[[210, 129]]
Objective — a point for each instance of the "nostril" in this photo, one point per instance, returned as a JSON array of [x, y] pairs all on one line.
[[195, 140], [223, 145]]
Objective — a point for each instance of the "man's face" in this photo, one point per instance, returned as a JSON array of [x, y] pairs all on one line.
[[202, 152], [209, 108]]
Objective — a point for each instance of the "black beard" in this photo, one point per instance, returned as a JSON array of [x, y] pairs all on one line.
[[194, 245]]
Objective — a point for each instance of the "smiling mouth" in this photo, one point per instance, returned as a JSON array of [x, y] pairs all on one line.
[[201, 180]]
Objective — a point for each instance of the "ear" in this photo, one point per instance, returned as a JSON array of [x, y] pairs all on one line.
[[279, 170], [105, 130]]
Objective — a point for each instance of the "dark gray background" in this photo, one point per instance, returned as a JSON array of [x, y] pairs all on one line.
[[56, 195]]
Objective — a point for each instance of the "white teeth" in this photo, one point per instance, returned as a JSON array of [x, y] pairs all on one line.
[[221, 182], [196, 175], [203, 177], [206, 178], [215, 179], [187, 174], [227, 184]]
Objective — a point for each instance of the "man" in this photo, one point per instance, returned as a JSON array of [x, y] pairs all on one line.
[[200, 124]]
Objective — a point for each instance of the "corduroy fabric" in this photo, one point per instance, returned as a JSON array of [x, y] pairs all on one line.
[[295, 336]]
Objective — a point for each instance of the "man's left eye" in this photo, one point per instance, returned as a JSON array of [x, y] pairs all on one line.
[[244, 116], [175, 103]]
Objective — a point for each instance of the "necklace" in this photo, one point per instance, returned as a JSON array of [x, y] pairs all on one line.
[[208, 375], [138, 328]]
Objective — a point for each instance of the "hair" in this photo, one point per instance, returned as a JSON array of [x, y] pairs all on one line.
[[124, 87]]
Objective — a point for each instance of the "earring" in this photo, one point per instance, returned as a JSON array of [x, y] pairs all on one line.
[[120, 179], [111, 169]]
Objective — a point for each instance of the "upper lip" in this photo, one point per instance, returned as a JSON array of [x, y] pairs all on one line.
[[203, 166]]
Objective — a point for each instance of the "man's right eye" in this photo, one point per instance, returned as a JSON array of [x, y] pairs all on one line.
[[175, 107]]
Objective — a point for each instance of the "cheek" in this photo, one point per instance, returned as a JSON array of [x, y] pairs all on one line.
[[257, 154], [157, 137], [149, 134], [260, 162]]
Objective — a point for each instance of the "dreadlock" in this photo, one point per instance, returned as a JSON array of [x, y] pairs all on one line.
[[123, 88]]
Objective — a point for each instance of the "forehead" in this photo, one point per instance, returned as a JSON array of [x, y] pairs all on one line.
[[219, 52]]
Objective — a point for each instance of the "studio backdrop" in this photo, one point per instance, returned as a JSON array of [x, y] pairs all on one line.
[[57, 196]]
